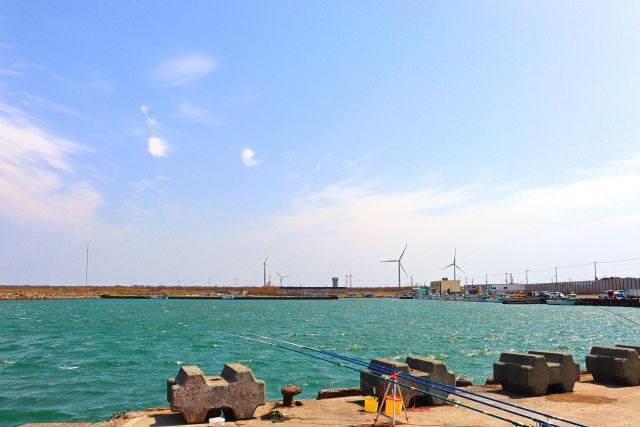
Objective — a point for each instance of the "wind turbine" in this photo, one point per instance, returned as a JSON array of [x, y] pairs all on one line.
[[282, 277], [455, 266], [399, 261], [264, 271]]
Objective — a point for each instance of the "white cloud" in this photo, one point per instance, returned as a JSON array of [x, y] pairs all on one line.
[[185, 69], [157, 147], [249, 157], [37, 179], [495, 228]]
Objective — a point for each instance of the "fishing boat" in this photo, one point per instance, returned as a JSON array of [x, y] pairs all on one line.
[[563, 300]]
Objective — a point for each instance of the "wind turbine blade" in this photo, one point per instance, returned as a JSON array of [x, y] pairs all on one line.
[[460, 269], [405, 271], [446, 266], [265, 260], [390, 260], [405, 248], [279, 274]]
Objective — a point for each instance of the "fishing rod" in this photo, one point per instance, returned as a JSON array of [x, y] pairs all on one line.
[[452, 401], [436, 385]]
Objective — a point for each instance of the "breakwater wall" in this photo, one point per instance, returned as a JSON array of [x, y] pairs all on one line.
[[227, 297], [588, 286]]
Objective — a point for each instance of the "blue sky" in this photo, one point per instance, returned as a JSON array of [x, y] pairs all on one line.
[[188, 140]]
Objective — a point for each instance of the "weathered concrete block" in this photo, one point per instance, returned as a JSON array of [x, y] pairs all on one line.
[[522, 373], [635, 347], [421, 367], [235, 390], [434, 370], [619, 365], [563, 371]]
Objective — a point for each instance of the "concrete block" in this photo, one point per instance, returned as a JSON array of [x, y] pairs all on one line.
[[235, 391], [434, 370], [619, 365], [635, 347], [522, 373], [421, 367], [564, 372]]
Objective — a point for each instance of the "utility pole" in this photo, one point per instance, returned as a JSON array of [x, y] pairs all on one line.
[[556, 274], [86, 269], [506, 281], [412, 281]]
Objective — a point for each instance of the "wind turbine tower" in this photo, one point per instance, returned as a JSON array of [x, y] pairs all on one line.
[[281, 278], [399, 261], [264, 271], [454, 265]]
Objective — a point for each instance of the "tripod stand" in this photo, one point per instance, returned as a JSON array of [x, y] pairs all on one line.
[[395, 390]]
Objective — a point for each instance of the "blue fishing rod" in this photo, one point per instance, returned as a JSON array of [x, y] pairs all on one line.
[[387, 379], [437, 385]]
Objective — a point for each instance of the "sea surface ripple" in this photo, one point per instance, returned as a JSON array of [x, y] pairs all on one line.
[[82, 360]]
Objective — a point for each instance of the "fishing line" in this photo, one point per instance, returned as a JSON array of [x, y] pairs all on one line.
[[435, 385], [620, 315], [455, 402]]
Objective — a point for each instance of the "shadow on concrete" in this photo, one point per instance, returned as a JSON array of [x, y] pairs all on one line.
[[165, 420]]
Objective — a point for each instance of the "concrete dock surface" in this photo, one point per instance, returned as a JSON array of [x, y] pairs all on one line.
[[590, 403]]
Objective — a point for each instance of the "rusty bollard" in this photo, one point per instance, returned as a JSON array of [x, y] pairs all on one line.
[[288, 393]]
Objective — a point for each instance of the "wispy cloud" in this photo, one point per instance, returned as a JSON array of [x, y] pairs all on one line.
[[499, 227], [196, 113], [150, 122], [29, 101], [156, 145], [185, 69], [10, 72], [38, 183], [249, 157]]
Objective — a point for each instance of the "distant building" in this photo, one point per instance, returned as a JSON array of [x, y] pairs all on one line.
[[506, 288], [445, 286]]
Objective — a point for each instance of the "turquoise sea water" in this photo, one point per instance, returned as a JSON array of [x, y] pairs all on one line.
[[82, 360]]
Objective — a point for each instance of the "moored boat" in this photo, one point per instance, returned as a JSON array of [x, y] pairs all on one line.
[[567, 300]]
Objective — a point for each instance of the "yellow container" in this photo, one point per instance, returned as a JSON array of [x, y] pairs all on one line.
[[370, 404], [392, 403]]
